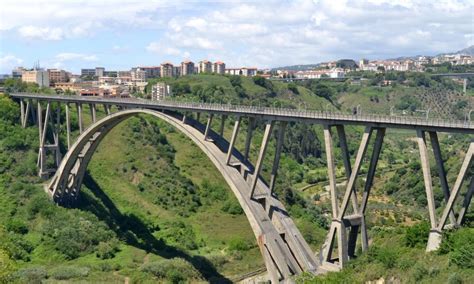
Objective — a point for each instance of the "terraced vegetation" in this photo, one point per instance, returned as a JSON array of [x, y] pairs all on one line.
[[153, 207]]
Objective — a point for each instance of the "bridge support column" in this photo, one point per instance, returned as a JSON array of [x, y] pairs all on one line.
[[25, 110], [248, 138], [232, 139], [434, 239], [208, 126], [79, 117], [107, 109], [93, 112], [261, 156], [342, 220], [276, 161], [68, 126], [43, 146], [221, 129]]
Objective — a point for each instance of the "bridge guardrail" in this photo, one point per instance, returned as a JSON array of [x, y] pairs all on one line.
[[271, 111]]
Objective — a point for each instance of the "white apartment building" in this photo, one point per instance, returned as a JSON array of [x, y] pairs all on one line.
[[218, 67], [205, 66], [244, 71], [160, 91], [187, 68]]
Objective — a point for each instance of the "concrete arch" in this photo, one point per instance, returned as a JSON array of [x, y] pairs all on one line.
[[283, 248]]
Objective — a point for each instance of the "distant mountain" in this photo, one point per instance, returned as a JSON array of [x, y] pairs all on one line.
[[300, 67], [468, 51]]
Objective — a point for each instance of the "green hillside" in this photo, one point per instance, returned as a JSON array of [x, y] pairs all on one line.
[[153, 207]]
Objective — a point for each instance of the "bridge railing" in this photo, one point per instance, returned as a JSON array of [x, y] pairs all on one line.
[[275, 111]]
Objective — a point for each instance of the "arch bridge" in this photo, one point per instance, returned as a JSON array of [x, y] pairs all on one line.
[[284, 250]]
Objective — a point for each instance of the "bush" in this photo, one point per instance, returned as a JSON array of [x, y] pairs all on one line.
[[460, 246], [32, 274], [232, 207], [417, 235], [238, 244], [69, 272], [176, 270], [106, 250], [16, 226], [455, 279]]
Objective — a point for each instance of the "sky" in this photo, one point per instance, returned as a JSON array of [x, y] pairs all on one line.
[[122, 34]]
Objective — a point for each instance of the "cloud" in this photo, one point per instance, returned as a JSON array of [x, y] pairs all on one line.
[[68, 56], [254, 33], [8, 62], [32, 32], [159, 48]]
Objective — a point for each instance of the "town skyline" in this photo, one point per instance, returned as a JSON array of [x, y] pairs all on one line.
[[240, 33]]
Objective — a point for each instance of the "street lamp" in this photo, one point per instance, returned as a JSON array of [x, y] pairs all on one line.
[[428, 113]]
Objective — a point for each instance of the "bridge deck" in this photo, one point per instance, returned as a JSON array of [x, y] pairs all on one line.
[[282, 114]]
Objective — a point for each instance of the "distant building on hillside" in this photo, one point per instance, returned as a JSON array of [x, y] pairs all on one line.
[[205, 66], [87, 72], [244, 71], [167, 69], [160, 91], [57, 76], [17, 72], [99, 71], [38, 76], [187, 68], [150, 71], [218, 67]]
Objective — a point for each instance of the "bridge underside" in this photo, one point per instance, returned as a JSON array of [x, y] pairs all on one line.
[[284, 250]]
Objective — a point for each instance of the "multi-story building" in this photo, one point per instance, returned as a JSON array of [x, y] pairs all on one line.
[[17, 72], [218, 67], [124, 74], [99, 71], [177, 71], [187, 68], [150, 71], [57, 76], [87, 72], [111, 73], [205, 66], [167, 69], [160, 91], [244, 71], [95, 92], [38, 76], [138, 75]]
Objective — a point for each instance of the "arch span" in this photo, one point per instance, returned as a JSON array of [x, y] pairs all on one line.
[[283, 248]]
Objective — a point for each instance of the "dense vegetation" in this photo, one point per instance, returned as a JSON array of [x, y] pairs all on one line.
[[153, 207]]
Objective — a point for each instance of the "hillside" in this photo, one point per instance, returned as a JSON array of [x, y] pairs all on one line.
[[153, 207]]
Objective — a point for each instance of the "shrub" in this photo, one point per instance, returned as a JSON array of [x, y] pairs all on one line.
[[419, 272], [455, 279], [176, 270], [69, 272], [232, 207], [417, 235], [16, 226], [238, 244], [106, 250], [32, 274]]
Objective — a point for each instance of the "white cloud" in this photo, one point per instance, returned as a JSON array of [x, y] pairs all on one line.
[[69, 56], [261, 33], [8, 62], [33, 32]]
